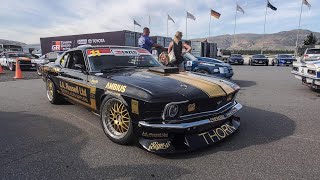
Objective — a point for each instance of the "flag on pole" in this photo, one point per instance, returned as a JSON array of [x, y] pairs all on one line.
[[170, 18], [271, 6], [215, 14], [239, 8], [136, 23], [190, 16], [306, 3]]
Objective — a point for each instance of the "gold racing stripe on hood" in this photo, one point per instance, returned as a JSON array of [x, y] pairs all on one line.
[[228, 89], [211, 89]]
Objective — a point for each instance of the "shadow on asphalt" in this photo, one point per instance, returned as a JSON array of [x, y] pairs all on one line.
[[258, 127], [243, 83], [38, 147]]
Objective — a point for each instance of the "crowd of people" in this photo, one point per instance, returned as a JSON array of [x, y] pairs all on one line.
[[174, 56]]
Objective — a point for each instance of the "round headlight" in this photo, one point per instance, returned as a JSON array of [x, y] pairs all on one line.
[[173, 110]]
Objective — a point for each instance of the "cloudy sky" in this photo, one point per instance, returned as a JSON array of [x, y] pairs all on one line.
[[27, 21]]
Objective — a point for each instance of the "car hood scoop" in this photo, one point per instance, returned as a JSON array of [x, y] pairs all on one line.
[[164, 70]]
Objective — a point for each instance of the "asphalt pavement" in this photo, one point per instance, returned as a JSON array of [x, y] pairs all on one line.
[[27, 74], [279, 137]]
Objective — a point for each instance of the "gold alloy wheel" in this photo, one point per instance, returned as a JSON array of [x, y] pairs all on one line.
[[50, 90], [116, 119]]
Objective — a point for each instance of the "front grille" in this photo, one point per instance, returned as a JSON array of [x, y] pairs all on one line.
[[24, 62]]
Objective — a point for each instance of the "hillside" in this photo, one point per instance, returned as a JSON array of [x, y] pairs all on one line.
[[284, 40], [3, 41]]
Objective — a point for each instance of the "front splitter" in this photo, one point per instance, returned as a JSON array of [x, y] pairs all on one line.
[[176, 143]]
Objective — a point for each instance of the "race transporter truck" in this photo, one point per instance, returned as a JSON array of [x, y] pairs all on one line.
[[139, 100]]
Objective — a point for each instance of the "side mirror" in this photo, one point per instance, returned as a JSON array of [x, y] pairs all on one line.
[[80, 67]]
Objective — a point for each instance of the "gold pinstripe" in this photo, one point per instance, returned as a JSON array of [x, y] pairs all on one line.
[[211, 89]]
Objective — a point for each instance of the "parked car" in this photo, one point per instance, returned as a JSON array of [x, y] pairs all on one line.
[[208, 66], [258, 59], [311, 54], [235, 59], [308, 73], [139, 100], [283, 60], [9, 59], [45, 59]]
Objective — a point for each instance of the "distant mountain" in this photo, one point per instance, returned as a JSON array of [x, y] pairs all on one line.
[[3, 41], [284, 40]]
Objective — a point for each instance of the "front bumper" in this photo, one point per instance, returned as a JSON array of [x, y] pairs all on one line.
[[181, 137], [260, 62], [285, 63], [308, 80], [238, 61]]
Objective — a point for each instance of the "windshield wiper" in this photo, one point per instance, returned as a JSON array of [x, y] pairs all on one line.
[[145, 66], [115, 68]]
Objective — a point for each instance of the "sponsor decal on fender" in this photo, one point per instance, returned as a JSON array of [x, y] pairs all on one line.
[[94, 81], [217, 134], [74, 91], [158, 146], [135, 106], [116, 87]]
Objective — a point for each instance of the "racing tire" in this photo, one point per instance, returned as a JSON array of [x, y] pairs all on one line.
[[116, 121], [267, 64], [53, 96], [11, 66], [203, 71]]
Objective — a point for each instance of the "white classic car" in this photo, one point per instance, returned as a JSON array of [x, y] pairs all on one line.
[[308, 73]]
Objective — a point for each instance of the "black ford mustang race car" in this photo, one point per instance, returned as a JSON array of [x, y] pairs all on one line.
[[138, 99]]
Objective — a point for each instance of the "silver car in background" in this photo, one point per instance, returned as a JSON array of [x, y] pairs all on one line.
[[311, 54]]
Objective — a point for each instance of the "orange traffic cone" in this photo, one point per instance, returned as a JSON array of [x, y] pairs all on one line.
[[1, 70], [18, 71]]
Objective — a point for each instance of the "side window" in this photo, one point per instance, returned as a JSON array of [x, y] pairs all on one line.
[[64, 60], [75, 58]]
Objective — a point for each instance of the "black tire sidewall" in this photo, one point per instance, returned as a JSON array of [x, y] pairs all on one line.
[[129, 137]]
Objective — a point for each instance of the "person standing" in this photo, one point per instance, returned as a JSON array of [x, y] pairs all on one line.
[[176, 46], [146, 42]]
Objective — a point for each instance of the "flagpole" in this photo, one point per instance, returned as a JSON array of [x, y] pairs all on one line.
[[167, 25], [210, 25], [264, 28], [187, 27], [299, 29], [235, 26]]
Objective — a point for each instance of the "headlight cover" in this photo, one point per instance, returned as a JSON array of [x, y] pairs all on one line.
[[172, 110]]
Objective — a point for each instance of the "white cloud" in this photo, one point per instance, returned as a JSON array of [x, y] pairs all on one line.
[[27, 21]]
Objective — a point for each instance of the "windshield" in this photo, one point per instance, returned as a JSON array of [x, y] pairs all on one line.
[[19, 55], [313, 51], [236, 55], [99, 63], [259, 56], [285, 56], [189, 57]]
